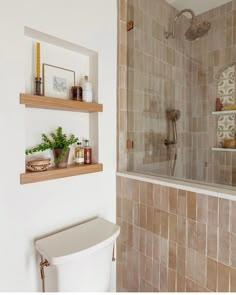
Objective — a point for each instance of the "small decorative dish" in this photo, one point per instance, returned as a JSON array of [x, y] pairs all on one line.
[[38, 165]]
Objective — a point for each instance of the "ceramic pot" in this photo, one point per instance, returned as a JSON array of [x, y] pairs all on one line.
[[64, 161], [229, 143]]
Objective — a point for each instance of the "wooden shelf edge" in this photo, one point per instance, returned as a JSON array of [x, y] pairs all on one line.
[[56, 173], [45, 102]]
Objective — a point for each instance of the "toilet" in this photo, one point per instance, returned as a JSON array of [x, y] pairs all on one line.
[[79, 258]]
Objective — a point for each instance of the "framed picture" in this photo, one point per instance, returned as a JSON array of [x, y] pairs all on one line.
[[57, 82]]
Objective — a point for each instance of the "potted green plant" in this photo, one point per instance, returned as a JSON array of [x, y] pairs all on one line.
[[59, 143]]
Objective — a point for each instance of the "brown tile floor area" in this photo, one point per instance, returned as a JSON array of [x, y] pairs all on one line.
[[174, 240]]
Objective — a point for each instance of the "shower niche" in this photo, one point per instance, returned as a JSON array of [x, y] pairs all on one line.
[[226, 117]]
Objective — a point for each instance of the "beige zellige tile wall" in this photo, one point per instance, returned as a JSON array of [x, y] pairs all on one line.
[[174, 240], [158, 79], [122, 87], [212, 54], [157, 74]]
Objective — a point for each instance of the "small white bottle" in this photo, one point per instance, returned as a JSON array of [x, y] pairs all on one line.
[[87, 90]]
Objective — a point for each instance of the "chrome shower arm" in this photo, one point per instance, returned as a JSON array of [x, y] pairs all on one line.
[[172, 34]]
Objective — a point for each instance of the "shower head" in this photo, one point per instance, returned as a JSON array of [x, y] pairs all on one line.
[[173, 115], [195, 31]]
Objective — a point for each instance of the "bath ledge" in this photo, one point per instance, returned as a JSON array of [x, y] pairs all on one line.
[[215, 191]]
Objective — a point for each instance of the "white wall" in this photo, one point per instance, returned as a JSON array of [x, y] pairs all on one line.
[[31, 211]]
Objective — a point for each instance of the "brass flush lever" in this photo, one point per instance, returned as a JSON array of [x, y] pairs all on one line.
[[43, 264], [113, 254]]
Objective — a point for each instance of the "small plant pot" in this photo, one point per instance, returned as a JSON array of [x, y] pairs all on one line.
[[62, 163]]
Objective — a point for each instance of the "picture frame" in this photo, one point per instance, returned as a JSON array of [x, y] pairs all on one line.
[[57, 81]]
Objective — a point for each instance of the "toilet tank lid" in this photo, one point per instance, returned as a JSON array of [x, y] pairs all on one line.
[[77, 241]]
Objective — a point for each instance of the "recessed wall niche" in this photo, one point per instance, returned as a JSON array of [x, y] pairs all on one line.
[[226, 90], [68, 55]]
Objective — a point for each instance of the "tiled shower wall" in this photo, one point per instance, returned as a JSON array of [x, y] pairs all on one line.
[[122, 87], [174, 240], [213, 54], [159, 79], [157, 74]]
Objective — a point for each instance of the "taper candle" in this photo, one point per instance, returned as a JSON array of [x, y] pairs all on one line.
[[38, 60]]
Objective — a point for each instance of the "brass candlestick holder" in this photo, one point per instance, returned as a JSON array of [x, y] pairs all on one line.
[[38, 83]]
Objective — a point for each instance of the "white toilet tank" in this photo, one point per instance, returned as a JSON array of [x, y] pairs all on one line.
[[80, 258]]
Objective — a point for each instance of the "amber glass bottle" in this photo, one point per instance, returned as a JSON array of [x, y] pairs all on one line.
[[87, 153]]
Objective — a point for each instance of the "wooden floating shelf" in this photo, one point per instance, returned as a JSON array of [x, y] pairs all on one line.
[[224, 113], [44, 102], [224, 150], [55, 173]]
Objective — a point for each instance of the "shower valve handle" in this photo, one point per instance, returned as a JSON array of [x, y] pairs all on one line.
[[169, 142]]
